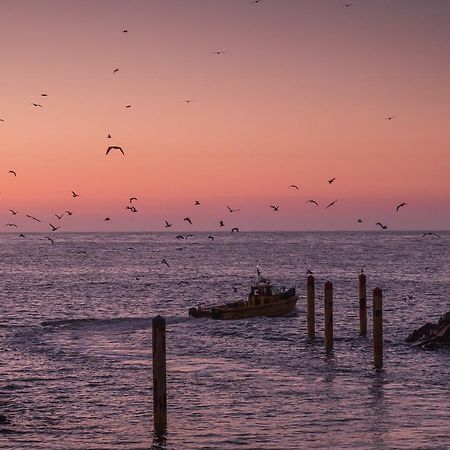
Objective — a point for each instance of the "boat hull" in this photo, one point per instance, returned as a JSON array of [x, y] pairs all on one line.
[[242, 310]]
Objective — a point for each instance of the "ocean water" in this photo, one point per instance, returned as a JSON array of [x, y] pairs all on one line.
[[75, 342]]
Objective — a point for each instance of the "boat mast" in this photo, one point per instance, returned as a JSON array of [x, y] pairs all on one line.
[[258, 272]]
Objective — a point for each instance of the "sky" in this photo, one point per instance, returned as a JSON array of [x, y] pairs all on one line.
[[302, 94]]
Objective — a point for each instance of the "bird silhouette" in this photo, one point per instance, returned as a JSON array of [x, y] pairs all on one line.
[[346, 5], [37, 105], [132, 209], [331, 204], [13, 212], [211, 237], [54, 228], [131, 249], [44, 95], [275, 208], [429, 233], [2, 120], [107, 219], [128, 106], [383, 227], [34, 218], [235, 229], [294, 186], [59, 216], [108, 137], [116, 70], [312, 201], [219, 52], [359, 220], [400, 206], [168, 225], [332, 180], [221, 224], [196, 203], [187, 219], [232, 210], [12, 171], [50, 239], [165, 262], [82, 252], [180, 236], [115, 147], [21, 235], [11, 225], [69, 213], [389, 118], [133, 199], [124, 31], [74, 194]]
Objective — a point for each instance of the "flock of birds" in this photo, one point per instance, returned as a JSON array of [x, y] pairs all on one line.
[[133, 209]]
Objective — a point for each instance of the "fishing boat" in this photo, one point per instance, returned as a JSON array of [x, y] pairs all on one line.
[[264, 299]]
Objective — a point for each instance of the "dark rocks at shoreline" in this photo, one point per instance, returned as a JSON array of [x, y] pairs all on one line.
[[431, 335]]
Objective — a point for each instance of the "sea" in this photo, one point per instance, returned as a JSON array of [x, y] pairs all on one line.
[[76, 342]]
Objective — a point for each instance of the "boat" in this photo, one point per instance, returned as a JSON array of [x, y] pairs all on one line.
[[264, 299]]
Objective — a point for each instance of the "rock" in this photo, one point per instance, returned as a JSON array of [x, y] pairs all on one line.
[[432, 334]]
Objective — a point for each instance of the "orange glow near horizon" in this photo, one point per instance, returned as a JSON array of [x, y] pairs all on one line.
[[301, 95]]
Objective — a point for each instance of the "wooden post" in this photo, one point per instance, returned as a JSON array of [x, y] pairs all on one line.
[[377, 328], [310, 306], [328, 316], [159, 375], [362, 305]]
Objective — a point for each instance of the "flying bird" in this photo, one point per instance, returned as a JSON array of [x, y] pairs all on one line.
[[294, 186], [168, 225], [59, 216], [116, 70], [132, 209], [43, 95], [115, 147], [34, 218], [2, 120], [69, 213], [82, 252], [346, 5], [429, 233], [11, 225], [132, 199], [235, 229], [180, 236], [128, 106], [106, 219], [331, 204], [21, 235], [383, 227], [13, 212], [124, 31], [187, 219], [50, 239], [37, 105], [165, 262], [232, 210], [219, 52], [211, 237], [132, 249], [54, 228], [312, 201], [221, 224], [74, 194], [255, 1], [275, 208], [12, 171], [400, 206], [197, 202], [389, 118], [332, 180], [359, 220], [108, 137]]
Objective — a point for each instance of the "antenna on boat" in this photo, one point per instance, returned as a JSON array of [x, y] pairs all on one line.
[[258, 272]]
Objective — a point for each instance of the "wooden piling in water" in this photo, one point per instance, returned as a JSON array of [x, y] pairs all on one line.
[[362, 305], [328, 334], [159, 374], [378, 328], [310, 306]]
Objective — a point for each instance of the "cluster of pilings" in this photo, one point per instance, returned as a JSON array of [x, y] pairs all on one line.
[[159, 339], [377, 315]]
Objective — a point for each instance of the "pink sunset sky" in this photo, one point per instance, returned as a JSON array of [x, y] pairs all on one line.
[[301, 95]]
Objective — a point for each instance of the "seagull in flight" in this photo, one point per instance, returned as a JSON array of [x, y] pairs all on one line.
[[132, 199], [294, 186], [165, 262], [69, 213], [168, 225], [13, 212], [235, 229], [332, 180], [255, 1], [44, 95], [74, 194], [50, 239], [389, 118], [312, 201], [383, 227], [359, 220], [429, 233], [331, 204], [219, 52], [12, 171], [221, 224], [54, 228], [59, 216], [196, 203], [116, 70], [232, 210], [11, 225], [400, 206], [187, 219], [124, 31], [115, 147], [211, 237], [132, 209], [106, 219], [108, 137], [37, 105], [346, 5], [275, 208], [34, 218]]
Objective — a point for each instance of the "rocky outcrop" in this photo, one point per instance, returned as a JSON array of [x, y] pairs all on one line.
[[432, 334]]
